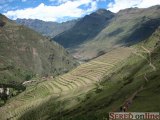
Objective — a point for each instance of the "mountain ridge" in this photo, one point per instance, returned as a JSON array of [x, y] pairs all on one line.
[[86, 28], [50, 29]]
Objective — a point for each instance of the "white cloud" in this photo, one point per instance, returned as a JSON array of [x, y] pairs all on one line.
[[122, 4], [92, 8], [148, 3], [53, 13]]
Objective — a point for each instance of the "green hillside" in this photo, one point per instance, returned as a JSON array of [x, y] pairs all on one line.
[[89, 92], [127, 27], [25, 54]]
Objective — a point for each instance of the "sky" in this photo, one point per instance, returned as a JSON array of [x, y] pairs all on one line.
[[64, 10]]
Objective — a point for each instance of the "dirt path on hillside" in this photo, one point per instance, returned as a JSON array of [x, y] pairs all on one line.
[[128, 102], [150, 58], [145, 77], [149, 55]]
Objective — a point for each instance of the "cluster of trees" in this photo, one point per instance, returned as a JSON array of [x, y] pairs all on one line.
[[4, 93], [2, 23], [7, 91]]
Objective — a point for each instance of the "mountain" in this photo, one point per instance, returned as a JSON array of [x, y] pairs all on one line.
[[85, 29], [124, 79], [91, 36], [50, 29], [25, 53]]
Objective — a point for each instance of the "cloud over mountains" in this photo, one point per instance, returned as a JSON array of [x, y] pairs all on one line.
[[53, 13], [117, 5], [63, 10]]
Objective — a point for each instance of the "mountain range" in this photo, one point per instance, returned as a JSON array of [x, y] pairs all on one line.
[[126, 27], [103, 30]]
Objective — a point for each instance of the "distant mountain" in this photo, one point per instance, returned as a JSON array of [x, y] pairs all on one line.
[[25, 53], [85, 29], [102, 31], [50, 29]]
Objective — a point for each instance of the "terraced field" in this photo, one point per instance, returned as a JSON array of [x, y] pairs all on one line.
[[73, 83]]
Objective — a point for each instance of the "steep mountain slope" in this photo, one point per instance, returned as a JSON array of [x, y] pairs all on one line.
[[85, 29], [50, 29], [127, 27], [130, 75], [24, 53]]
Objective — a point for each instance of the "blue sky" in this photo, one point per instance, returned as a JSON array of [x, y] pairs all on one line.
[[63, 10], [7, 5]]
